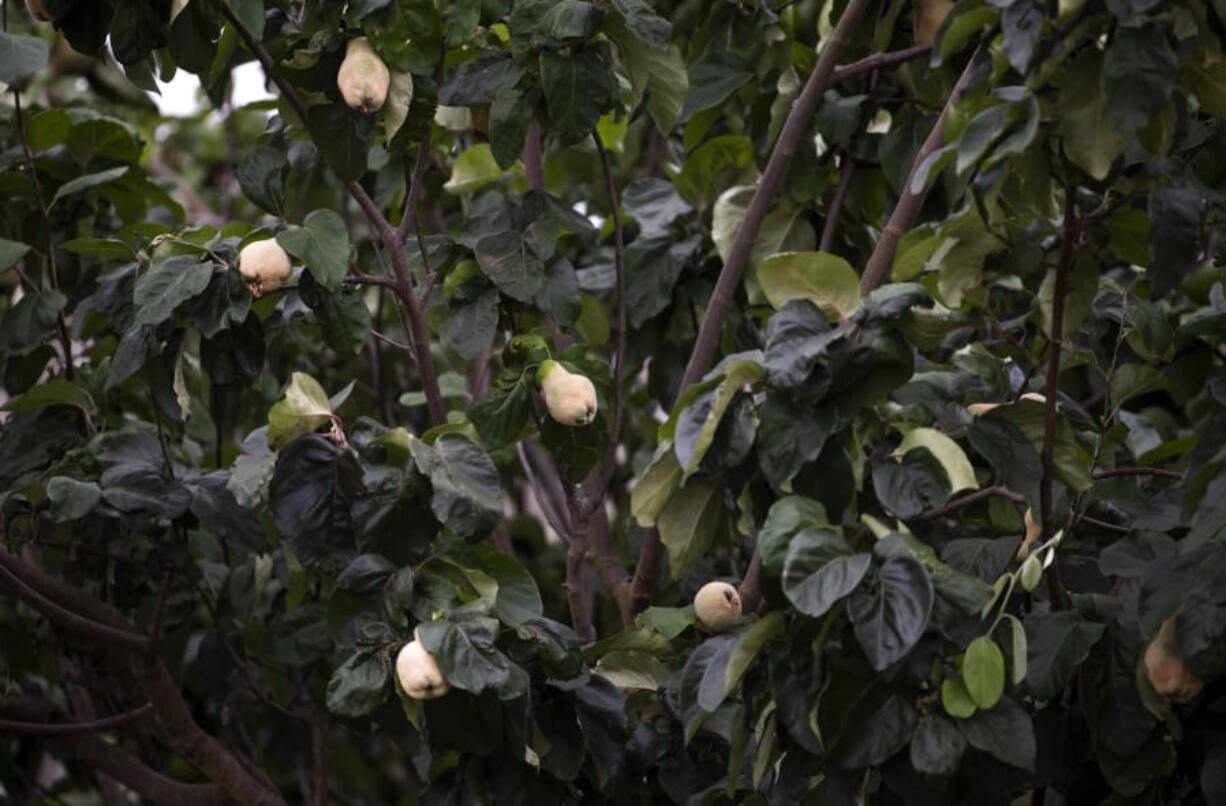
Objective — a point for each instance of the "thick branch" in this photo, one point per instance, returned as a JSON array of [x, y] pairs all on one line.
[[1052, 387], [910, 202], [769, 185], [388, 234], [75, 610], [130, 771]]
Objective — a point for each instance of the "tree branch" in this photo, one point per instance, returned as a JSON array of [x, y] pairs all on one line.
[[1139, 471], [152, 786], [76, 611], [768, 187], [1052, 387], [533, 159], [910, 202], [878, 61], [619, 264], [997, 490], [378, 222], [75, 728]]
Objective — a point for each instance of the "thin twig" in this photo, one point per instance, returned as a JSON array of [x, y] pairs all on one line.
[[1052, 387], [619, 264], [76, 728], [1110, 527], [878, 61], [997, 490], [532, 157], [1139, 471]]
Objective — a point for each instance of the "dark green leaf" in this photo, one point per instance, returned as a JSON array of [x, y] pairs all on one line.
[[714, 77], [343, 136], [577, 91], [138, 29], [936, 746], [1057, 644], [890, 613], [820, 570], [310, 494], [261, 174], [21, 56], [1138, 75], [466, 494], [358, 685], [1006, 732]]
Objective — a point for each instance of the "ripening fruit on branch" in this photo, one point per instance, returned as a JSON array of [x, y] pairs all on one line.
[[1164, 666], [717, 605], [570, 397], [264, 265], [419, 674], [929, 14], [363, 78], [38, 10]]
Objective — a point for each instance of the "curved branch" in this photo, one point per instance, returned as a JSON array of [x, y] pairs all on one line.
[[75, 728], [997, 490], [877, 61], [130, 771]]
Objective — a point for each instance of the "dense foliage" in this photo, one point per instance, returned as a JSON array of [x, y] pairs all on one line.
[[593, 303]]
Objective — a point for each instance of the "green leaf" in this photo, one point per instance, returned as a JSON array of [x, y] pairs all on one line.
[[577, 91], [726, 670], [1057, 645], [512, 261], [1139, 73], [517, 599], [787, 518], [102, 247], [949, 453], [657, 71], [170, 283], [655, 486], [983, 672], [1072, 463], [1090, 139], [1177, 216], [89, 181], [399, 99], [322, 243], [21, 56], [1082, 286], [697, 423], [466, 653], [644, 23], [1018, 648], [502, 415], [937, 745], [11, 252], [343, 136], [956, 699], [302, 409], [473, 170], [72, 499], [311, 493], [826, 280], [707, 170], [343, 316], [667, 621], [1133, 380], [689, 524], [510, 117], [57, 392], [481, 81], [357, 687], [466, 494], [714, 77], [1006, 731], [820, 571], [910, 487], [261, 174], [890, 613]]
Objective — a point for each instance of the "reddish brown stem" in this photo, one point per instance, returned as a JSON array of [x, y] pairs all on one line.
[[533, 158], [910, 202], [1051, 389], [769, 185], [75, 728]]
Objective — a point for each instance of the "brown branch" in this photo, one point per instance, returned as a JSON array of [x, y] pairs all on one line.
[[68, 620], [651, 555], [77, 611], [619, 265], [1052, 387], [768, 187], [358, 278], [1110, 527], [319, 754], [130, 771], [408, 218], [878, 61], [75, 728], [378, 222], [534, 163], [997, 490], [1139, 471], [910, 202], [847, 167], [751, 584]]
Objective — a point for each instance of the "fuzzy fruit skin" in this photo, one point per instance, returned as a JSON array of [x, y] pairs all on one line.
[[717, 605], [1167, 672], [570, 397], [929, 14], [264, 265], [419, 674], [39, 11], [363, 78]]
